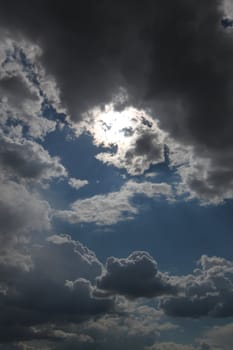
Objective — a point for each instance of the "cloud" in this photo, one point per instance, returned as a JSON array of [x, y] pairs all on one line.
[[219, 337], [144, 151], [174, 62], [68, 299], [206, 292], [136, 276], [131, 139], [177, 346], [77, 183], [174, 59], [22, 210], [25, 91], [67, 259], [29, 161], [25, 165], [170, 346], [200, 178], [58, 288], [117, 205], [134, 330], [22, 213]]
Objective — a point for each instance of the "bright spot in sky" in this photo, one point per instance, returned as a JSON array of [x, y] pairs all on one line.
[[113, 127], [131, 138], [117, 128]]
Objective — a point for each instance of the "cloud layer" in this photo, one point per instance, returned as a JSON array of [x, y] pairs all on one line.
[[164, 71], [175, 59]]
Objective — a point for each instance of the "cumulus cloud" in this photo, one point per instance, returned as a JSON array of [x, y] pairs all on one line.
[[77, 183], [56, 291], [67, 298], [135, 276], [206, 292], [66, 259], [29, 161], [117, 205]]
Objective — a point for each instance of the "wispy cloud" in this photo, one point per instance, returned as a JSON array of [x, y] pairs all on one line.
[[114, 207]]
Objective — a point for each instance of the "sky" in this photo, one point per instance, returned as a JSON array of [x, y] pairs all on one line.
[[116, 175]]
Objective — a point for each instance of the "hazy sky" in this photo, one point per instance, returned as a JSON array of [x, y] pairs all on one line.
[[116, 175]]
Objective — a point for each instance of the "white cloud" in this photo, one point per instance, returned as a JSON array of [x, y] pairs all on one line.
[[114, 207], [77, 183], [24, 87], [24, 162]]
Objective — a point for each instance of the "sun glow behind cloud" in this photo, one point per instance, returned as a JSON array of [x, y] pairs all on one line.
[[113, 127], [131, 138]]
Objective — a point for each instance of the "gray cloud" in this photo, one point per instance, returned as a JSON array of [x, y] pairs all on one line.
[[29, 161], [22, 213], [171, 346], [14, 89], [57, 291], [135, 276], [220, 337], [25, 89], [24, 164], [174, 58], [66, 259], [134, 330], [177, 346], [206, 292], [64, 299]]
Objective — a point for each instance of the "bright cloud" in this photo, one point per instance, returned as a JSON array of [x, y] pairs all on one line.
[[114, 207]]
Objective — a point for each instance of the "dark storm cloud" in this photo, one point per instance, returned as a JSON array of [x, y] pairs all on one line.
[[136, 276], [93, 47], [84, 43], [174, 57], [58, 290]]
